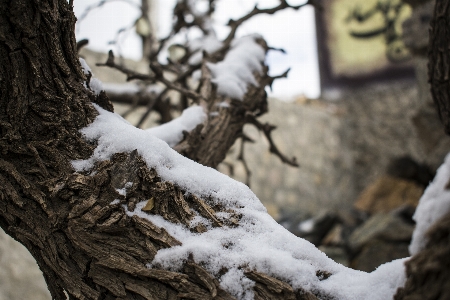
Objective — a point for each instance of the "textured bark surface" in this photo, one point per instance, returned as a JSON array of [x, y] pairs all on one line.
[[429, 270], [208, 143], [439, 60], [74, 224]]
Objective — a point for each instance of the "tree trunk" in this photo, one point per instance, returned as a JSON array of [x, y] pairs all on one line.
[[75, 224], [439, 60], [429, 270]]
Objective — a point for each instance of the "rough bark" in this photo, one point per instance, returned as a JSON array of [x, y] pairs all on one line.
[[208, 143], [81, 237], [439, 60], [428, 271]]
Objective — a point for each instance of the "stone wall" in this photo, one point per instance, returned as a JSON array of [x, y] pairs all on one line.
[[341, 146], [314, 132], [382, 121]]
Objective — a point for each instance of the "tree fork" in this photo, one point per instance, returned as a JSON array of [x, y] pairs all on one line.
[[75, 225]]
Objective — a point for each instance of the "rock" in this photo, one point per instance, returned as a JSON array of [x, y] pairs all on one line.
[[407, 168], [351, 217], [316, 228], [388, 193], [378, 252], [386, 227], [334, 237]]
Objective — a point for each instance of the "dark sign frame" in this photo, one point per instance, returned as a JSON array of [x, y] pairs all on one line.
[[329, 80]]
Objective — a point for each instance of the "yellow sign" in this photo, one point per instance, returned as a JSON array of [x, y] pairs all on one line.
[[364, 36]]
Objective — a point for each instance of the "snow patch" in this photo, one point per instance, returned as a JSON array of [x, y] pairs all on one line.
[[123, 191], [433, 205], [235, 72], [95, 84], [85, 67], [172, 132], [115, 201]]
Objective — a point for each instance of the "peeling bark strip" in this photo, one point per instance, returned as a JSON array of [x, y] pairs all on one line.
[[75, 225], [439, 60]]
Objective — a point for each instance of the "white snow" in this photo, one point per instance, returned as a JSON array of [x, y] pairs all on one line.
[[307, 225], [95, 85], [223, 104], [172, 132], [121, 88], [433, 205], [123, 191], [85, 67], [114, 202], [235, 72], [258, 243], [131, 88]]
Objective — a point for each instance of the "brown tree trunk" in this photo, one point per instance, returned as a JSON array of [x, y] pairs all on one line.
[[84, 243], [439, 60], [429, 270]]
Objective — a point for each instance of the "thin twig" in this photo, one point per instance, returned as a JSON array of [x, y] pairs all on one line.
[[131, 75], [150, 106], [157, 69], [267, 130], [81, 44], [273, 78], [248, 173], [234, 24]]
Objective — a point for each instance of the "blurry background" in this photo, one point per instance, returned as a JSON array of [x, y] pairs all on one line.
[[294, 31], [355, 110]]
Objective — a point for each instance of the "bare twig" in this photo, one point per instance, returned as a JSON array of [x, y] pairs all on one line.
[[241, 158], [277, 49], [273, 78], [131, 74], [267, 130], [158, 70], [234, 24], [157, 76], [150, 106], [81, 44]]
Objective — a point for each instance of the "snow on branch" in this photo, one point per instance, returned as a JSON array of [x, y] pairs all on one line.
[[172, 132], [234, 254], [434, 204]]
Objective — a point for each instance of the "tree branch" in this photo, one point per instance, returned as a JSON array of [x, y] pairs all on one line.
[[267, 130]]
